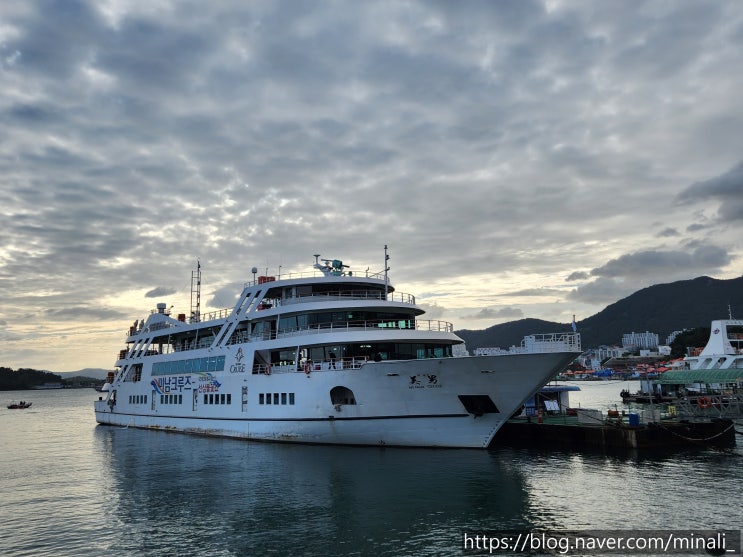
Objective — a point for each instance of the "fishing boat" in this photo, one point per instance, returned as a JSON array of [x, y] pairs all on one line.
[[19, 405], [331, 356]]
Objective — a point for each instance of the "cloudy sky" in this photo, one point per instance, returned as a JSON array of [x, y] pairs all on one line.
[[519, 158]]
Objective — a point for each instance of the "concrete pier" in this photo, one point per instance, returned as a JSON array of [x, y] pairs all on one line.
[[565, 431]]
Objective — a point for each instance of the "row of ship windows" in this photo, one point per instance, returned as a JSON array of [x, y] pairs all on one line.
[[277, 398], [171, 399], [194, 365], [218, 398]]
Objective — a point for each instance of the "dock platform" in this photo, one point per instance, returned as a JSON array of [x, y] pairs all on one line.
[[565, 431]]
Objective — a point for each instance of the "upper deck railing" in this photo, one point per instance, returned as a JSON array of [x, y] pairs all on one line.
[[311, 274], [349, 326], [551, 342], [399, 297], [396, 297], [536, 344]]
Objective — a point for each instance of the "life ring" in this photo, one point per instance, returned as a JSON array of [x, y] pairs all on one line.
[[704, 402], [307, 368], [268, 369]]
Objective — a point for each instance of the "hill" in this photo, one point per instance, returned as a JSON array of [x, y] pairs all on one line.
[[662, 309], [93, 373]]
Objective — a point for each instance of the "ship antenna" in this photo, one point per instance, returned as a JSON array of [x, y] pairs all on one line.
[[196, 293], [386, 268], [730, 312]]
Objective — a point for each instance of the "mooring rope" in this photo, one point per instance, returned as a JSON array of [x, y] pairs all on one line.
[[731, 426]]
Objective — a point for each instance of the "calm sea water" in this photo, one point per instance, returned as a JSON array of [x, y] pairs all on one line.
[[70, 487]]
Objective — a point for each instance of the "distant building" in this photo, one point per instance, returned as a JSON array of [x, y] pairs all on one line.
[[592, 358], [670, 338], [640, 341]]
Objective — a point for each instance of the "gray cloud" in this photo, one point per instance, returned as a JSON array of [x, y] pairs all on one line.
[[159, 292], [654, 262], [536, 292], [726, 188], [497, 314], [668, 233], [493, 146], [622, 276]]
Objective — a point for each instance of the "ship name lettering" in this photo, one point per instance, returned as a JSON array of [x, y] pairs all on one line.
[[237, 368], [177, 383]]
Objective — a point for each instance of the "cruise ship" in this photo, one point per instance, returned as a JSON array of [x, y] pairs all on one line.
[[331, 356]]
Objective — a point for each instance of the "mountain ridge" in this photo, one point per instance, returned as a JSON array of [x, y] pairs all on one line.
[[661, 309]]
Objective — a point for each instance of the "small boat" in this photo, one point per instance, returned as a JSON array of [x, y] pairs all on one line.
[[19, 405], [643, 397]]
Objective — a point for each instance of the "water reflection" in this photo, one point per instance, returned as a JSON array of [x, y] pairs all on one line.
[[691, 489], [189, 495]]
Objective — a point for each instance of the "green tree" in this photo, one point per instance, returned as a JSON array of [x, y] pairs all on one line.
[[692, 338]]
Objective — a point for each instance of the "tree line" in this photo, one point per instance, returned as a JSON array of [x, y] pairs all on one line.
[[24, 378]]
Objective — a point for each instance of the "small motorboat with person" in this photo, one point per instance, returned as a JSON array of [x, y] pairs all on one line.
[[22, 405]]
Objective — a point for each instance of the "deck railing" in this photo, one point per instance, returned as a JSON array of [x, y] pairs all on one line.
[[551, 342], [375, 325]]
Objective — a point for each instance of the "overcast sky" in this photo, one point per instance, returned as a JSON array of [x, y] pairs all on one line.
[[519, 158]]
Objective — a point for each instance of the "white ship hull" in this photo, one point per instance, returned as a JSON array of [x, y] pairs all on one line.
[[335, 359], [398, 403]]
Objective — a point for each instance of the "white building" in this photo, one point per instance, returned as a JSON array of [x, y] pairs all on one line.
[[642, 341]]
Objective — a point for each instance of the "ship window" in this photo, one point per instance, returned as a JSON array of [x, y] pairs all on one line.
[[229, 398], [162, 399], [180, 399], [220, 363], [283, 398], [268, 398], [221, 399], [276, 398], [206, 399], [260, 398], [291, 398]]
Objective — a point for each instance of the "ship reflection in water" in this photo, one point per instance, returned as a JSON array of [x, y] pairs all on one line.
[[221, 496], [74, 489], [195, 495]]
